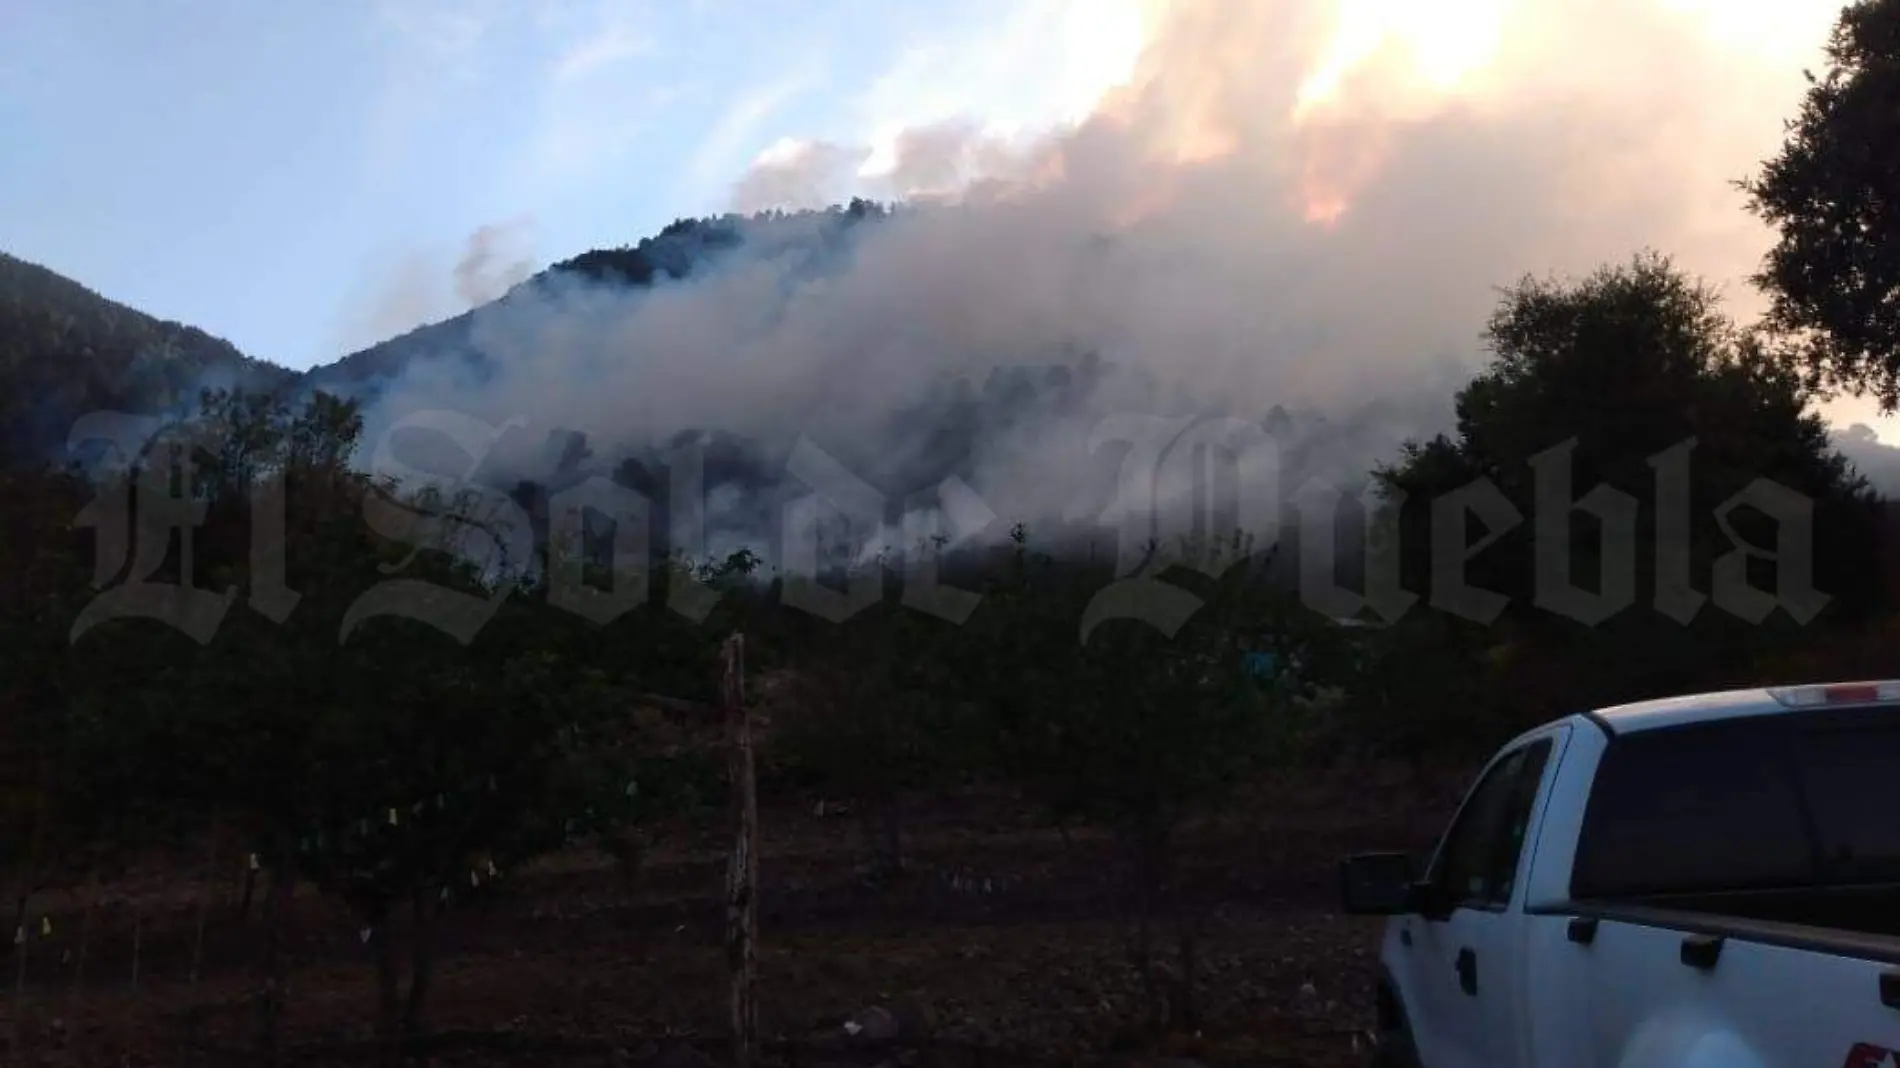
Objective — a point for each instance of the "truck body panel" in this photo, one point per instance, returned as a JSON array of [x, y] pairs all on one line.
[[1709, 880]]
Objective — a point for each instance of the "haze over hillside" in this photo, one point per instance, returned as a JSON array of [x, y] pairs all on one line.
[[1266, 221]]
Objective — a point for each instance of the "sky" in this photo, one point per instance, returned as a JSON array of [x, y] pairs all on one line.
[[306, 178], [303, 176]]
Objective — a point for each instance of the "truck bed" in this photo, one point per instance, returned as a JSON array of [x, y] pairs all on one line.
[[1868, 910], [1646, 985]]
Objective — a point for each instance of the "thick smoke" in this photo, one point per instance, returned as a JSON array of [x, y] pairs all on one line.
[[1203, 244], [1878, 463]]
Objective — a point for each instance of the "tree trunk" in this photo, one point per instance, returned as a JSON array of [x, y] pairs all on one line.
[[891, 827], [742, 873], [250, 887], [85, 940], [884, 838], [1141, 951], [138, 943], [1184, 1009], [204, 903], [19, 909], [1151, 859], [271, 998], [382, 943], [22, 939], [421, 967], [138, 932], [1164, 896]]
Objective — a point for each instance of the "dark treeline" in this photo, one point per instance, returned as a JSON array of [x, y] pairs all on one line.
[[404, 763], [398, 763]]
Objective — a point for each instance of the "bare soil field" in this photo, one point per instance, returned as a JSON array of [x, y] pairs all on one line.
[[1004, 942]]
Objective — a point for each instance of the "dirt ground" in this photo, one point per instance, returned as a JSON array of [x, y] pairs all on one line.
[[1004, 943]]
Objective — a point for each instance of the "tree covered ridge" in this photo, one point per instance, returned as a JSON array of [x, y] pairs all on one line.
[[66, 351], [681, 249]]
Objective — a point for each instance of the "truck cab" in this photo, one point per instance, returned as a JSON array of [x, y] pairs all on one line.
[[1703, 880]]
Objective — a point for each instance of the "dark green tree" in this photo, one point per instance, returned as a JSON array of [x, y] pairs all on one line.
[[1833, 195], [874, 724], [43, 581], [392, 765], [1126, 726], [1614, 378]]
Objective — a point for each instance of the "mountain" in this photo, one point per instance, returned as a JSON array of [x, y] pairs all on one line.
[[66, 351], [683, 248], [1014, 425]]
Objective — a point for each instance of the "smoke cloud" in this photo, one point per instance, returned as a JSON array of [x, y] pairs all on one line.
[[492, 263], [416, 288], [1209, 242]]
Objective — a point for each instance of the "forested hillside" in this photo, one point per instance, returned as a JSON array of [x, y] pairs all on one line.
[[680, 249], [66, 351]]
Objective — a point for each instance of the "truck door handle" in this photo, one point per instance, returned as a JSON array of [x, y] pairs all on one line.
[[1468, 971], [1701, 951]]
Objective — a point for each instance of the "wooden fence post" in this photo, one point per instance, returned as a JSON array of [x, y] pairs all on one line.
[[742, 876]]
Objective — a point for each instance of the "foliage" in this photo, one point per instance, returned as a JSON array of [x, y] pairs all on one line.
[[1619, 369], [1830, 194], [66, 351], [387, 764], [874, 722], [1127, 725]]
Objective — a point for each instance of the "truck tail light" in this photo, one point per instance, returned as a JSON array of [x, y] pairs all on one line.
[[1838, 693]]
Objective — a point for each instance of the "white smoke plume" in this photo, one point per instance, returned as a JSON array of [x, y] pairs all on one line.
[[416, 288], [492, 263], [1223, 236]]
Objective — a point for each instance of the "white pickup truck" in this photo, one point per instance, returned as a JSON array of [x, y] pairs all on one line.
[[1699, 882]]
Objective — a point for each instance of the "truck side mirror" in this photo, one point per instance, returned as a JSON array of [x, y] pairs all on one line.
[[1376, 884], [1431, 901]]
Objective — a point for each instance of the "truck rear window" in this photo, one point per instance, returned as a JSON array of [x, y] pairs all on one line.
[[1794, 800]]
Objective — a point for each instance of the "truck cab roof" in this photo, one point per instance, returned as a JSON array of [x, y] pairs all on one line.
[[1735, 704]]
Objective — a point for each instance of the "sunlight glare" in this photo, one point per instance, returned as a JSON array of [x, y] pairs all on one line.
[[1779, 31], [1444, 42]]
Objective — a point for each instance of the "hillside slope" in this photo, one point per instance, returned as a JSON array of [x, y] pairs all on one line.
[[678, 251], [66, 351]]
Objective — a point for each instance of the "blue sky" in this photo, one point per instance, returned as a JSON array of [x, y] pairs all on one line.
[[271, 170]]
